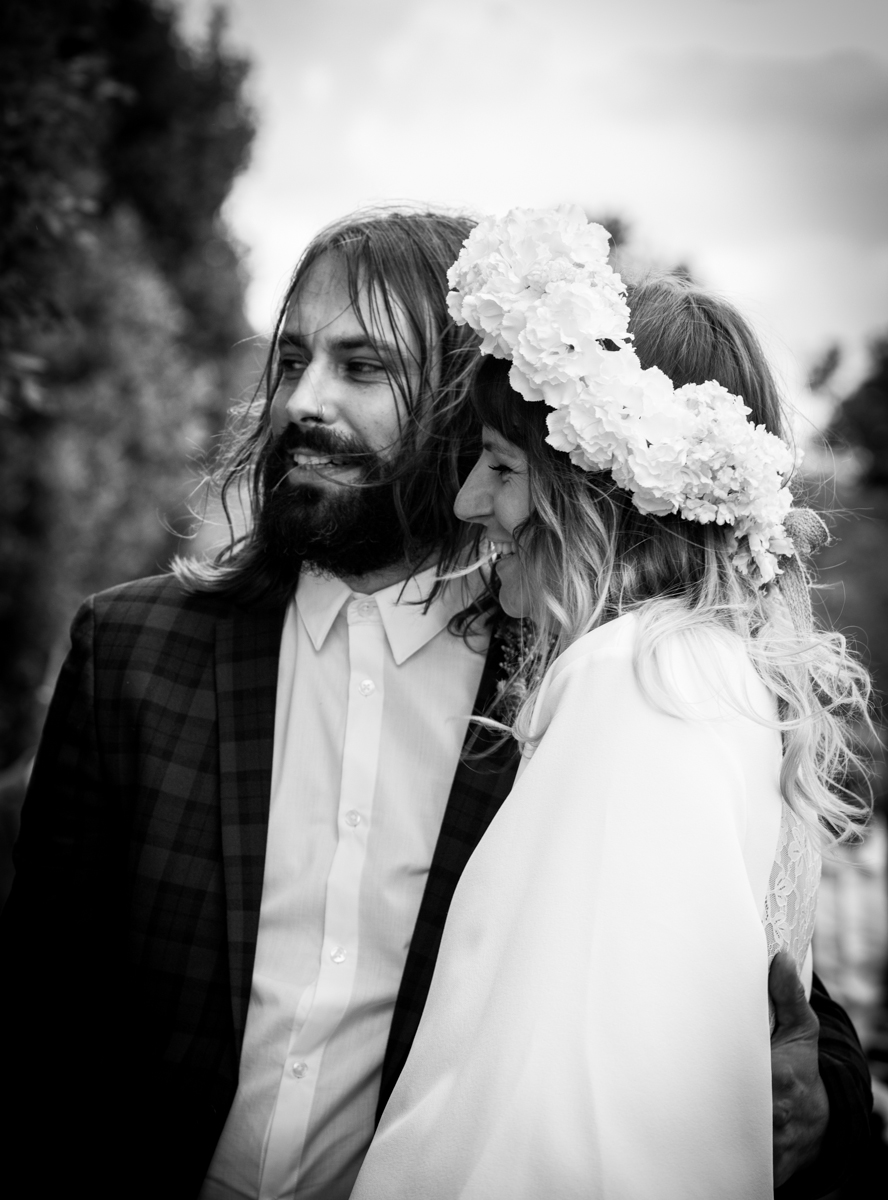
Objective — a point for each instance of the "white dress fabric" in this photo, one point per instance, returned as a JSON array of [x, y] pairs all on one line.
[[598, 1022]]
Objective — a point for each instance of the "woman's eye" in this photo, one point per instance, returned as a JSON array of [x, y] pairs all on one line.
[[291, 366], [501, 469]]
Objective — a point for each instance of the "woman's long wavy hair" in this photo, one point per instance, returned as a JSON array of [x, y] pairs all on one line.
[[592, 556], [395, 262]]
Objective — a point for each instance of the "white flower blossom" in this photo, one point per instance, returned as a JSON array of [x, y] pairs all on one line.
[[537, 285]]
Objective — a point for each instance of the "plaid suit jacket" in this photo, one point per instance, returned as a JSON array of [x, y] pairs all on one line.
[[129, 937], [139, 871]]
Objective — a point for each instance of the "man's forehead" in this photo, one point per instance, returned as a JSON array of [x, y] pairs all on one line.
[[323, 303]]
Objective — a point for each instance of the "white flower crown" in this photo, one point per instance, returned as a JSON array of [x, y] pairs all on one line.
[[538, 286]]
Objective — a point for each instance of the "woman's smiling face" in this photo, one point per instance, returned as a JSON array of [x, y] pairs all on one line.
[[496, 495]]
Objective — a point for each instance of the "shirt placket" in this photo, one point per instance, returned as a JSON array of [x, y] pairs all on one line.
[[325, 1002]]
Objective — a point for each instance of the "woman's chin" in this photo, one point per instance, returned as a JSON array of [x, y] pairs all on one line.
[[513, 598], [510, 609]]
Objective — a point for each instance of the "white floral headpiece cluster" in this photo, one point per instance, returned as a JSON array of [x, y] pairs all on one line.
[[538, 286]]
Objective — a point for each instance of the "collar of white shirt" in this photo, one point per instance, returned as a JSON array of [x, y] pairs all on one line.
[[407, 625]]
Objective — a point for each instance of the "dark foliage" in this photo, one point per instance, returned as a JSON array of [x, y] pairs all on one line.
[[824, 368], [861, 421], [121, 307], [855, 567], [179, 138]]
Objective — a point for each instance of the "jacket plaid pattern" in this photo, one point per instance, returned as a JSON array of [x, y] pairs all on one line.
[[140, 863], [129, 937]]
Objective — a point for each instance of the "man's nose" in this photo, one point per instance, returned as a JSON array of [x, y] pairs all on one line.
[[473, 499], [310, 397]]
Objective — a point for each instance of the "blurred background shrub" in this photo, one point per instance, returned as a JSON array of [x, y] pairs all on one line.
[[122, 327]]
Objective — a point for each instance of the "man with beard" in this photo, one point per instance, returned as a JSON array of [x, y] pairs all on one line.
[[250, 810], [251, 769]]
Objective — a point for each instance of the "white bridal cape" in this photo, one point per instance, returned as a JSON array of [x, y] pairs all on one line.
[[598, 1023]]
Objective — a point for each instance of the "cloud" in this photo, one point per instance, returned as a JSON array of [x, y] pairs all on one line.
[[809, 130], [839, 93], [766, 168]]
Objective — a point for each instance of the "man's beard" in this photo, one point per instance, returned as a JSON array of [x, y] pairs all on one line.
[[344, 529]]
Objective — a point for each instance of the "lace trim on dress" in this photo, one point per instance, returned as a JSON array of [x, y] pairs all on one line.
[[791, 900]]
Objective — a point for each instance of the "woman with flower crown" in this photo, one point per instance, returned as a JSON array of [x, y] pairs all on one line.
[[598, 1021]]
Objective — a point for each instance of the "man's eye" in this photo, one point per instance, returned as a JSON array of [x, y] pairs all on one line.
[[365, 367]]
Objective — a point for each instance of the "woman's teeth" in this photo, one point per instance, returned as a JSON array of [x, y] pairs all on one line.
[[500, 550]]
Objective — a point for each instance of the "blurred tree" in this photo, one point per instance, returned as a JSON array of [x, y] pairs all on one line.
[[618, 227], [823, 369], [121, 305], [624, 255], [855, 569], [861, 420], [177, 144]]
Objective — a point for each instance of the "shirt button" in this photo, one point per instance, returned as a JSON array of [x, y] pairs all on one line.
[[352, 818], [300, 1069], [366, 608], [338, 955], [367, 687]]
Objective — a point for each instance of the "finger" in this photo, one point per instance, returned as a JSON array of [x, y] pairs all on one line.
[[784, 1169], [791, 1007]]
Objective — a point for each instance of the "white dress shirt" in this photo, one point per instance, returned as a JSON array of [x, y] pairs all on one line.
[[372, 708]]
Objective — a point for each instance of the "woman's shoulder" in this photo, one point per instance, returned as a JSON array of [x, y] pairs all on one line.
[[589, 665], [698, 646], [614, 640], [689, 669]]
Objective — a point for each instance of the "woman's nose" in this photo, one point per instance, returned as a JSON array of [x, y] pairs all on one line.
[[473, 499]]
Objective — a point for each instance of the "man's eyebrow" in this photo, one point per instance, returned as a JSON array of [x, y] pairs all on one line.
[[345, 345]]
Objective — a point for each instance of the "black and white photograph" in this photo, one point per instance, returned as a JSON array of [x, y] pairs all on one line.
[[444, 618]]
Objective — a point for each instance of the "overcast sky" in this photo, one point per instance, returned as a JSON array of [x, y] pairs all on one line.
[[748, 138]]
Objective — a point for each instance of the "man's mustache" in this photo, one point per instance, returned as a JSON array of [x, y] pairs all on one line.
[[323, 442]]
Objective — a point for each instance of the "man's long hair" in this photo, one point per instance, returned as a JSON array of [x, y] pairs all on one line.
[[395, 262]]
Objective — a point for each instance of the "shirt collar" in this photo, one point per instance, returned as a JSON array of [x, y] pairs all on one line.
[[319, 599], [408, 627]]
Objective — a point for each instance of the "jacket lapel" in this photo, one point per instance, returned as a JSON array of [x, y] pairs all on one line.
[[479, 787], [247, 650]]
